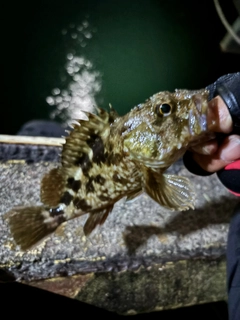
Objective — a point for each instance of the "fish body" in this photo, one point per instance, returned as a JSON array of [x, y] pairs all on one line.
[[107, 157]]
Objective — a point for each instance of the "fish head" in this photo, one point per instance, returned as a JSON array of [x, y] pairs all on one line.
[[160, 130]]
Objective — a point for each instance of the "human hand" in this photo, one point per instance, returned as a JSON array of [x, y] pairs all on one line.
[[210, 156]]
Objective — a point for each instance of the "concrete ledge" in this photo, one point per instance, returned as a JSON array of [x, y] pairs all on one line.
[[142, 259]]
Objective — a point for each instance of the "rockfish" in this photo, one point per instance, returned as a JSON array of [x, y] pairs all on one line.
[[108, 157]]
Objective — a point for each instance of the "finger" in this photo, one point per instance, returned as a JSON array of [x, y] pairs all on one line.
[[230, 149], [207, 148], [228, 152], [219, 118]]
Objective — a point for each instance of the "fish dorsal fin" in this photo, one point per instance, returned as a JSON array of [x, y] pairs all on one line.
[[87, 139], [170, 191], [96, 218], [113, 115], [52, 186]]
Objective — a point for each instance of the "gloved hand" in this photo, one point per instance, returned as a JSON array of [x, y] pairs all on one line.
[[230, 177], [228, 88]]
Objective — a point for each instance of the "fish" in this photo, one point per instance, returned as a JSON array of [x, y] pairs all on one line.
[[108, 157]]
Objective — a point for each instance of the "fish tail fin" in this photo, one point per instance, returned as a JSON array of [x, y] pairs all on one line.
[[29, 225]]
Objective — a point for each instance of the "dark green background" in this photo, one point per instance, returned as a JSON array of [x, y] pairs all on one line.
[[139, 47]]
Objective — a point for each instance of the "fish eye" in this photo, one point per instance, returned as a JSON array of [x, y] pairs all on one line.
[[163, 109]]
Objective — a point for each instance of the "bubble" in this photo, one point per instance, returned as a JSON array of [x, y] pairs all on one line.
[[63, 78], [67, 98], [56, 91], [88, 35], [50, 101], [80, 38], [74, 36], [79, 28], [69, 56], [79, 95], [64, 93], [59, 99], [64, 32], [76, 77], [76, 69], [88, 64], [62, 106], [85, 23], [70, 70]]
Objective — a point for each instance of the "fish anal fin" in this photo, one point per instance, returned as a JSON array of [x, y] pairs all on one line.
[[170, 191], [29, 225], [131, 196], [52, 186], [96, 218]]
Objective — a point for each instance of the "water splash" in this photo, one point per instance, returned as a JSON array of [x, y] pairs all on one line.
[[83, 80]]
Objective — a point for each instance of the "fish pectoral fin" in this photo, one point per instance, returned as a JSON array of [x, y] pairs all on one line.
[[95, 218], [170, 191]]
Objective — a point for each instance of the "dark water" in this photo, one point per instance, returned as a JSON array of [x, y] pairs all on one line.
[[63, 56]]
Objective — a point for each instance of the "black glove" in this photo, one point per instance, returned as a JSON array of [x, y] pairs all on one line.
[[228, 87]]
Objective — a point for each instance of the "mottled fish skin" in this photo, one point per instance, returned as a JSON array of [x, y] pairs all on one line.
[[108, 157]]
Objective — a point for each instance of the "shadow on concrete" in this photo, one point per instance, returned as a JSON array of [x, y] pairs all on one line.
[[184, 223]]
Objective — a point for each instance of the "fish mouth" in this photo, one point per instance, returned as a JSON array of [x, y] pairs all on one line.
[[197, 120]]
